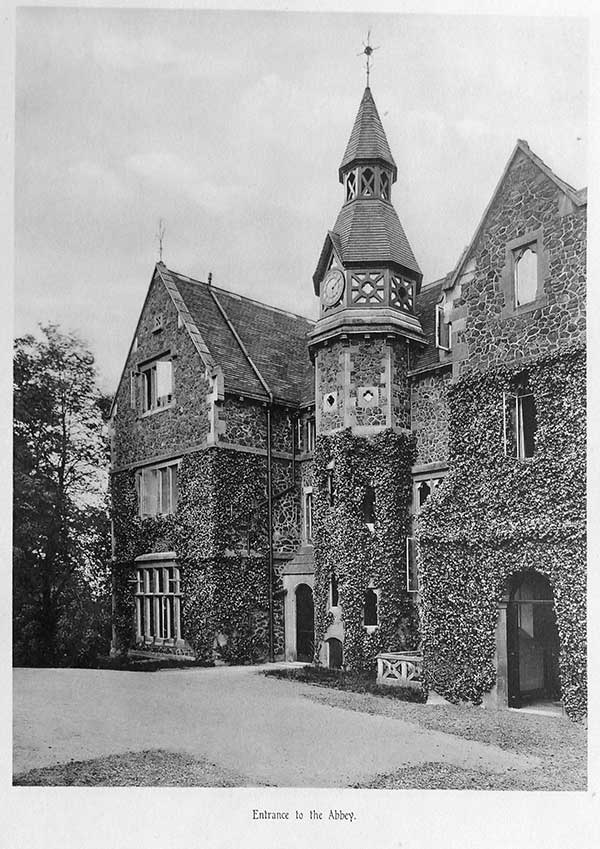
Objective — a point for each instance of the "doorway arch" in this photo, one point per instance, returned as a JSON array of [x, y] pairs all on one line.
[[305, 623], [532, 641], [335, 653]]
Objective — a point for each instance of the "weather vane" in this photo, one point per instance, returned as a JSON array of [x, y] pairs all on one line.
[[160, 236], [368, 52]]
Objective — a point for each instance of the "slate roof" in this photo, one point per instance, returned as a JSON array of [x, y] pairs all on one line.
[[275, 340], [425, 311], [367, 139], [370, 231]]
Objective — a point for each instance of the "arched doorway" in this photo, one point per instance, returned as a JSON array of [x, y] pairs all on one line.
[[336, 653], [532, 641], [305, 623]]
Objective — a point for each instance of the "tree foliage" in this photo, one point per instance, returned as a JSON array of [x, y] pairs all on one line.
[[61, 592]]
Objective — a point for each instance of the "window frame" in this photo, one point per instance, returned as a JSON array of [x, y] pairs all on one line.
[[157, 600], [516, 396], [311, 434], [149, 371], [439, 323], [308, 514], [515, 248], [158, 467], [370, 628], [411, 565]]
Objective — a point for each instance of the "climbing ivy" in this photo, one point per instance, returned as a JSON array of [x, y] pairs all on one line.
[[219, 534], [495, 516], [344, 543]]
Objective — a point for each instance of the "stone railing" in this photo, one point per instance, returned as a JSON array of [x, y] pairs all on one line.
[[400, 669]]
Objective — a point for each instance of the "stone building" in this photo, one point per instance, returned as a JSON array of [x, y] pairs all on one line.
[[405, 473]]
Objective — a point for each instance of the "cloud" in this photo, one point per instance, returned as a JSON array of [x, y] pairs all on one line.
[[122, 53], [170, 171]]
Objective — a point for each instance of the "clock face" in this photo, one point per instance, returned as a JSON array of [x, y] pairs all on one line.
[[333, 287]]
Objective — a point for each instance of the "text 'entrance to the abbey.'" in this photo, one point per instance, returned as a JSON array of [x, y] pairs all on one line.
[[532, 642], [305, 623]]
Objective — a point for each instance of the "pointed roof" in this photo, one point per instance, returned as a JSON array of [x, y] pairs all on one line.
[[367, 139], [578, 198]]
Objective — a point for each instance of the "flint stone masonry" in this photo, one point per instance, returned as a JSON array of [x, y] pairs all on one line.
[[368, 378], [429, 415], [183, 425], [528, 203]]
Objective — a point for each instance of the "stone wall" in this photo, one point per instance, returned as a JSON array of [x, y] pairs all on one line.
[[487, 327], [330, 379], [429, 416], [138, 436], [367, 381]]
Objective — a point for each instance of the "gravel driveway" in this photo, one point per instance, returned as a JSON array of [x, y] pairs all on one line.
[[258, 727]]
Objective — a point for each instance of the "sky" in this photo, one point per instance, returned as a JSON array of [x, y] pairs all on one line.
[[230, 126]]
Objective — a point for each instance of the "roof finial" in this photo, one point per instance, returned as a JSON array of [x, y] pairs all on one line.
[[160, 236], [368, 52], [210, 278]]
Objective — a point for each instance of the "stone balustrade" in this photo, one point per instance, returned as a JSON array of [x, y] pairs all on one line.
[[400, 669]]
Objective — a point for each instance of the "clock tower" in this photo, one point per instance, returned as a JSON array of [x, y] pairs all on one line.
[[367, 280]]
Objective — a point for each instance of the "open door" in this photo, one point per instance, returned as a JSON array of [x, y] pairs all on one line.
[[532, 642]]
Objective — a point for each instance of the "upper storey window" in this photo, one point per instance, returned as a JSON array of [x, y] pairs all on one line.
[[157, 384], [520, 420], [443, 330], [367, 183], [523, 274], [526, 274]]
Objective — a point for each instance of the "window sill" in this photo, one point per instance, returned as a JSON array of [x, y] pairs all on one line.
[[524, 309], [155, 410], [370, 629]]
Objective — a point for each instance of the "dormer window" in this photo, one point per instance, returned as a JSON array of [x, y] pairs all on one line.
[[443, 330], [367, 183], [351, 186], [384, 186]]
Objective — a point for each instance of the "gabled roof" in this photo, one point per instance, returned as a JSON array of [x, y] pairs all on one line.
[[258, 347], [370, 231], [332, 243], [578, 197], [367, 139]]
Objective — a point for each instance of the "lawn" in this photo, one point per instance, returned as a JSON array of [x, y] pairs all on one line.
[[154, 768]]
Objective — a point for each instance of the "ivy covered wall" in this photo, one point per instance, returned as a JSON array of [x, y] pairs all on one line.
[[219, 533], [344, 545], [494, 516]]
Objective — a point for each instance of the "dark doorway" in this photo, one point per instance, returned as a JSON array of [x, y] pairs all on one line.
[[532, 642], [336, 653], [305, 623]]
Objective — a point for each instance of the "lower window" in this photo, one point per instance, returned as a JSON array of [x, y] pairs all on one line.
[[157, 604]]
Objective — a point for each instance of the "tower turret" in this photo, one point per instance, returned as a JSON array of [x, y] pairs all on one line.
[[367, 279]]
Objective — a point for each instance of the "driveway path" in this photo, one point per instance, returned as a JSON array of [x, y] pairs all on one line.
[[260, 727]]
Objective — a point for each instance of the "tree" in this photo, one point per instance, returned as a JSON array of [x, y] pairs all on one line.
[[61, 594]]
